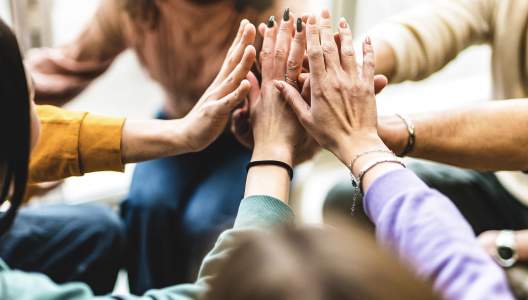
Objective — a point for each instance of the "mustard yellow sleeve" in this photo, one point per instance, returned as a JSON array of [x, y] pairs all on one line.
[[428, 37], [75, 143]]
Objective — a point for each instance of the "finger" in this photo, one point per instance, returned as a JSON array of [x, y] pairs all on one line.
[[262, 29], [306, 92], [348, 56], [233, 58], [294, 99], [268, 48], [302, 78], [238, 36], [296, 56], [282, 47], [328, 43], [254, 93], [241, 71], [368, 61], [380, 82], [228, 103], [314, 50]]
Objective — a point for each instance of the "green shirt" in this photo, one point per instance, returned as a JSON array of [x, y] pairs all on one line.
[[255, 214]]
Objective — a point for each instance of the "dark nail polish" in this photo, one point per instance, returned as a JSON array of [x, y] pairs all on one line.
[[271, 21], [286, 15], [299, 25]]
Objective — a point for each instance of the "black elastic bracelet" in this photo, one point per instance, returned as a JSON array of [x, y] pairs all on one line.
[[271, 163]]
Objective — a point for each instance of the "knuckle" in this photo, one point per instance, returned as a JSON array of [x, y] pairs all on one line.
[[292, 64], [328, 48], [315, 53], [280, 53], [266, 53], [348, 51]]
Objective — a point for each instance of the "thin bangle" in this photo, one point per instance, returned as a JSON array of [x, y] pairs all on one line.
[[371, 166], [411, 141], [276, 163], [360, 155]]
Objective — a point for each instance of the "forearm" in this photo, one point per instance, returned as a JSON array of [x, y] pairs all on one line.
[[152, 139], [484, 137], [269, 180]]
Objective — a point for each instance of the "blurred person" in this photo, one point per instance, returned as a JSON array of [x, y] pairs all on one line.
[[430, 236], [176, 204], [85, 243], [420, 42]]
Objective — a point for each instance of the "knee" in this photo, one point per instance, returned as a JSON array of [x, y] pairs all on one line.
[[103, 225]]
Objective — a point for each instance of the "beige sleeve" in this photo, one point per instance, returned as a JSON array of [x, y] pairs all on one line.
[[428, 37]]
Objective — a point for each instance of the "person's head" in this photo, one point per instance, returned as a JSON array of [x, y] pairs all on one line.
[[314, 264], [19, 125], [147, 10]]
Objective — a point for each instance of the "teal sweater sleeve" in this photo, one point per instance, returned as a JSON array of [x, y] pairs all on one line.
[[255, 213]]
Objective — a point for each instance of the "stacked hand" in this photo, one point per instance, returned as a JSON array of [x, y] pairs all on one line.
[[341, 111], [275, 128], [209, 117]]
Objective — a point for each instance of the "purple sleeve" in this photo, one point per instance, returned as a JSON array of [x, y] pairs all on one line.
[[427, 231]]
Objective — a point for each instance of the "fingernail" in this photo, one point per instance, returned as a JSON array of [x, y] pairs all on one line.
[[278, 84], [271, 21], [299, 25], [286, 15], [325, 13]]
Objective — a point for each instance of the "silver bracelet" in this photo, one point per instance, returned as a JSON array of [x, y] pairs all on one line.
[[360, 155], [411, 129], [356, 181]]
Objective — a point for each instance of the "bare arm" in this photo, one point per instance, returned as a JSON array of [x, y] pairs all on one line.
[[490, 136], [62, 73]]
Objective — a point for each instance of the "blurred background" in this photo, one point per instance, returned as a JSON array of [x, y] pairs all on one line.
[[125, 90]]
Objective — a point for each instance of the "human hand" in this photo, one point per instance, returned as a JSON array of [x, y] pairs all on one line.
[[209, 117], [342, 114], [277, 133]]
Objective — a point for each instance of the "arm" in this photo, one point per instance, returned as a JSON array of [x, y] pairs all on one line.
[[417, 43], [473, 137], [73, 143], [62, 73], [419, 224]]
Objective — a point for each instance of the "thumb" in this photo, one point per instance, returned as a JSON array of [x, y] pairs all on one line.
[[294, 99], [380, 82]]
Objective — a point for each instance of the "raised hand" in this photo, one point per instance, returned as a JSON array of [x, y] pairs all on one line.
[[274, 125], [342, 114], [209, 117]]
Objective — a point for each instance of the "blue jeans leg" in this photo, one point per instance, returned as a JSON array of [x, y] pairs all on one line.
[[67, 243], [159, 252]]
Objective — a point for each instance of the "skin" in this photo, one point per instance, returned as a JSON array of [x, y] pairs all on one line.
[[470, 137], [144, 140], [341, 115], [277, 133]]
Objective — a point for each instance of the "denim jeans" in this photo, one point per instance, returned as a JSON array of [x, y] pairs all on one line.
[[177, 207], [67, 243], [479, 196]]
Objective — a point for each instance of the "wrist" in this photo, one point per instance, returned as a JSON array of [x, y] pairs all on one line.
[[393, 133], [178, 137], [351, 146], [273, 151]]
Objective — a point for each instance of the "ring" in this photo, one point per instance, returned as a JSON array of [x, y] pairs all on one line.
[[292, 82]]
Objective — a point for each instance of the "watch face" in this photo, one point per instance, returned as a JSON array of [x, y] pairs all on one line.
[[505, 252]]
